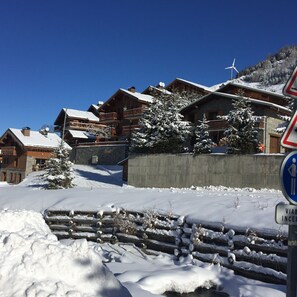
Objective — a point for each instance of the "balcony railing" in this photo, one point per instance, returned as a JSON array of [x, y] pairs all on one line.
[[217, 125], [127, 130], [108, 117], [134, 113], [8, 151], [84, 126]]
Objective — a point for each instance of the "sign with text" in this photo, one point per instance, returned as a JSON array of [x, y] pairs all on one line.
[[286, 214], [288, 177]]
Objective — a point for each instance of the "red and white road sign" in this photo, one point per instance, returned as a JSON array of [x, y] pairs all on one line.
[[290, 89], [289, 139]]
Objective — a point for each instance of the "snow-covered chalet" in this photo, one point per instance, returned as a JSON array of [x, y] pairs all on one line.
[[268, 107], [24, 151]]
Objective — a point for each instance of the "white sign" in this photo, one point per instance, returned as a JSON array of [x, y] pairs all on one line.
[[286, 214], [289, 138], [290, 88]]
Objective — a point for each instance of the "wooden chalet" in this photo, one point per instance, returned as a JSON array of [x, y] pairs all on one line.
[[24, 151], [122, 111], [78, 127], [182, 85], [267, 107]]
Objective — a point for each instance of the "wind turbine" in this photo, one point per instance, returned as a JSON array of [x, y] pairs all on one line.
[[232, 67]]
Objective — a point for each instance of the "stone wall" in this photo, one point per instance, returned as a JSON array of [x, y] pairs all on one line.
[[185, 170]]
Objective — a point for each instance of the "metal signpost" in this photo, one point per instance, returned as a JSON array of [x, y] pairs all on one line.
[[286, 214]]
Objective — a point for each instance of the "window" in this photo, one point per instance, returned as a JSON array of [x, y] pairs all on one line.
[[212, 115]]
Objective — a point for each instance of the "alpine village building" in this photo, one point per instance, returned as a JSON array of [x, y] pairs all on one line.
[[24, 151], [113, 121], [108, 126]]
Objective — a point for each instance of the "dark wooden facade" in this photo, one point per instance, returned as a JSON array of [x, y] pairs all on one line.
[[122, 112], [181, 85], [267, 108], [78, 127]]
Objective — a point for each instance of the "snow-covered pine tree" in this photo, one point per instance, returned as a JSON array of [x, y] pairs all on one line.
[[241, 135], [162, 129], [59, 172], [203, 143]]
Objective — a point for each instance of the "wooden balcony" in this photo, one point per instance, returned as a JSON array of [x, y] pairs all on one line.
[[221, 125], [216, 125], [108, 117], [127, 130], [84, 126], [8, 151], [134, 113]]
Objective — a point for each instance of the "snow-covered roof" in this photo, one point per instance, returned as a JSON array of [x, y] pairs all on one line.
[[255, 101], [271, 90], [232, 96], [80, 114], [194, 84], [139, 96], [164, 91], [81, 134], [36, 139], [94, 106]]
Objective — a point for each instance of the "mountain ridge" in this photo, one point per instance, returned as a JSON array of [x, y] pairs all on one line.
[[270, 74]]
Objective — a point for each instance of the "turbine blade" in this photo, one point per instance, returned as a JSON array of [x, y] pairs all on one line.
[[235, 69]]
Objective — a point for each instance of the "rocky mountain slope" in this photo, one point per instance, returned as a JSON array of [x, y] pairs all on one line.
[[272, 73]]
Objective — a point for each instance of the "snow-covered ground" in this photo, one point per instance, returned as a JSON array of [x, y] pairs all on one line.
[[34, 263]]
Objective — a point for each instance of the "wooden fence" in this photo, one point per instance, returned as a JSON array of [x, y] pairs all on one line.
[[251, 253]]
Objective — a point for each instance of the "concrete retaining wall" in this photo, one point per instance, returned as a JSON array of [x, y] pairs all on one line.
[[104, 154], [163, 171]]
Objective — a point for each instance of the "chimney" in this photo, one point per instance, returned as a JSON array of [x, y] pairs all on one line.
[[161, 85], [132, 89], [44, 131], [26, 131]]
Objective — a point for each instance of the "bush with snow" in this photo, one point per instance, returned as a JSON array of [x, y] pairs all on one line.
[[203, 142], [162, 129], [242, 134], [59, 172]]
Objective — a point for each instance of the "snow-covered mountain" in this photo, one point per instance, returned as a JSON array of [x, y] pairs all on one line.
[[272, 73]]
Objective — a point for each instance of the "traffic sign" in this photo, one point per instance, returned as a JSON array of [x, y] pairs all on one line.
[[286, 214], [290, 88], [288, 177], [289, 138]]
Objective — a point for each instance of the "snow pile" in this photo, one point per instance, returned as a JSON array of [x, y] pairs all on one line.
[[34, 263], [180, 279], [156, 274]]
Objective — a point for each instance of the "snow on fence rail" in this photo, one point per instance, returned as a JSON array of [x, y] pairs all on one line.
[[252, 253]]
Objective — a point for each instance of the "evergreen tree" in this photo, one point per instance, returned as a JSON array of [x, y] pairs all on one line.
[[161, 128], [203, 143], [242, 135], [59, 172]]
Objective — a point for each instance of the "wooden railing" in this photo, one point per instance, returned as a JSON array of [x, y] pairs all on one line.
[[134, 113], [108, 116], [84, 126], [249, 252], [127, 130], [8, 151], [215, 125]]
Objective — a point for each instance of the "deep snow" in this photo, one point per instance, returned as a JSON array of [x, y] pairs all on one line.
[[34, 263]]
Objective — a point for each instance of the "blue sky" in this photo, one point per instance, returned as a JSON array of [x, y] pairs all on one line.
[[73, 53]]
